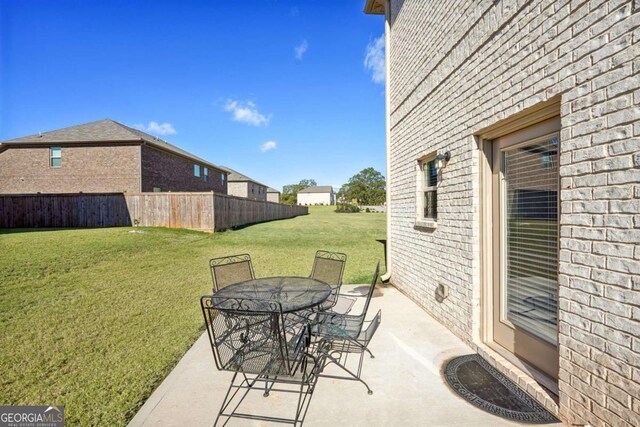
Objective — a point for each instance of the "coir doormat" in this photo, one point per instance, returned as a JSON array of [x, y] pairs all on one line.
[[481, 384]]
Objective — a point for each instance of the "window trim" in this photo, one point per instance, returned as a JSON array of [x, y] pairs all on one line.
[[421, 189], [205, 174], [196, 170], [51, 157]]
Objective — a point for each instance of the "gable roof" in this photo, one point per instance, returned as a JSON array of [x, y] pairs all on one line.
[[105, 130], [272, 190], [235, 176], [317, 189]]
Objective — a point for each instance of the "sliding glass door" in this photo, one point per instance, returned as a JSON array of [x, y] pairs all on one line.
[[525, 241]]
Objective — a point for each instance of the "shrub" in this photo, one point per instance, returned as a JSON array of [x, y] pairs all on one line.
[[347, 208]]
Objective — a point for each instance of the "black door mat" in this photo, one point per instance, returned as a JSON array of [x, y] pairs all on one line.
[[481, 384]]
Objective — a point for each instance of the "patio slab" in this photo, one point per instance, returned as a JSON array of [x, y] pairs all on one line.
[[410, 349]]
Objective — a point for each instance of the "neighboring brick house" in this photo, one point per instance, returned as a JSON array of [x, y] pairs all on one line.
[[102, 156], [242, 186], [317, 195], [273, 195], [513, 156]]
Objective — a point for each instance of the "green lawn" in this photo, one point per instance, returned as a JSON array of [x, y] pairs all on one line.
[[95, 319]]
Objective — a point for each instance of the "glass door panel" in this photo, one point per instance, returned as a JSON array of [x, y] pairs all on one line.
[[531, 228], [524, 199]]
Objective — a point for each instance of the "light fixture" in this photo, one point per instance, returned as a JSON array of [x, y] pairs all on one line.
[[441, 160]]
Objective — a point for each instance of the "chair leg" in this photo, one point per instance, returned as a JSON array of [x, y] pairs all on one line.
[[355, 376]]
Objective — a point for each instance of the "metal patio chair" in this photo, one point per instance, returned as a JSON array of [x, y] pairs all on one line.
[[230, 269], [329, 267], [339, 335], [249, 337]]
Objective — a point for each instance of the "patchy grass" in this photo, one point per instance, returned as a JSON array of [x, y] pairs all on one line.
[[94, 319]]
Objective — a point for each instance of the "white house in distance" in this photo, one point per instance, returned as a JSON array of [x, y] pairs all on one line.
[[317, 195]]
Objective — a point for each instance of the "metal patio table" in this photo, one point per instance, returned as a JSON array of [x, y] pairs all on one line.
[[293, 293]]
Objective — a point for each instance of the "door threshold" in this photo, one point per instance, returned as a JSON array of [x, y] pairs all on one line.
[[544, 380]]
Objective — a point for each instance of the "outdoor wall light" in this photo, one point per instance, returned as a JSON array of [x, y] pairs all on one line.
[[441, 160]]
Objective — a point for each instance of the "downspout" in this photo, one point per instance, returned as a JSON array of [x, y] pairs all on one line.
[[387, 105]]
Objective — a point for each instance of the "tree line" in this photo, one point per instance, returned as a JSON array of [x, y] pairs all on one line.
[[367, 187]]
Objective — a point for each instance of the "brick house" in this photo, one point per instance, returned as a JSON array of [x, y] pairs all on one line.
[[102, 156], [317, 195], [513, 157], [242, 186], [273, 195]]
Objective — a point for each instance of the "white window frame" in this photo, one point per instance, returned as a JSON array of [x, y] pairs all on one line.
[[196, 170], [52, 157], [421, 189], [205, 174]]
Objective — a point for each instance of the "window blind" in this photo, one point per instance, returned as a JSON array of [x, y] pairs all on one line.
[[531, 222]]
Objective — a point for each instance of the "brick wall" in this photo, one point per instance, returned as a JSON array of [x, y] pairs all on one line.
[[84, 168], [237, 188], [170, 172], [273, 197], [457, 67], [248, 189]]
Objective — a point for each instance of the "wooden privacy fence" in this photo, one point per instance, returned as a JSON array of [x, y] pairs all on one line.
[[199, 211], [231, 211]]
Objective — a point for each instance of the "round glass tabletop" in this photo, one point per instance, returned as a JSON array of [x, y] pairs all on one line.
[[293, 293]]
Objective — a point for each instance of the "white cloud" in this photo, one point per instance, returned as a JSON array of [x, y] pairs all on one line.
[[374, 60], [157, 128], [301, 49], [246, 112], [267, 146]]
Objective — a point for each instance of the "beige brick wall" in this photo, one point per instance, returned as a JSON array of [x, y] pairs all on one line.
[[457, 67], [100, 169], [247, 189], [238, 189], [273, 197]]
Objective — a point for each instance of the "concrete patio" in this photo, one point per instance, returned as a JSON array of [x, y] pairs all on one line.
[[410, 349]]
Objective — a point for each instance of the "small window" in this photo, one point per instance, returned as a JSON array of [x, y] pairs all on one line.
[[55, 157], [428, 195], [206, 174], [196, 170], [157, 189], [222, 177]]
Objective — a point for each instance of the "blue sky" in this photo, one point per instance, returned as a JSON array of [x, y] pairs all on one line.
[[278, 90]]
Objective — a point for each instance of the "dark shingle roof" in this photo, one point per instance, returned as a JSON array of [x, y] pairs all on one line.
[[317, 189], [235, 176], [106, 130]]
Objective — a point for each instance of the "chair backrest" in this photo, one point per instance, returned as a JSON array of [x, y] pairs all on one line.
[[343, 326], [230, 269], [251, 336], [376, 275], [329, 267]]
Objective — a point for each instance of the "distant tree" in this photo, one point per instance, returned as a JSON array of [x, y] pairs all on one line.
[[290, 192], [367, 187]]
